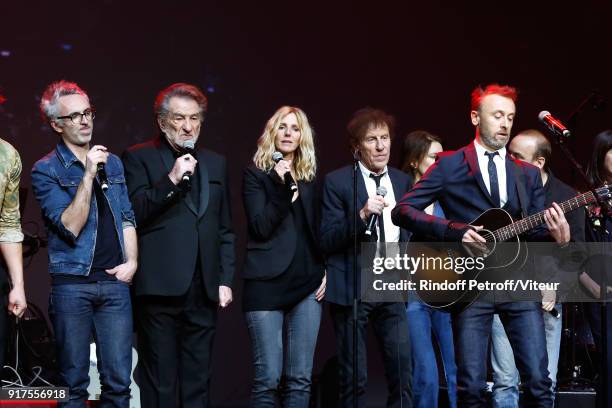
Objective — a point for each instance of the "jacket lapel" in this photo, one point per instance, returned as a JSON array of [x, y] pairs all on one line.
[[305, 190], [204, 184], [398, 192], [165, 154], [510, 182], [398, 189], [362, 192]]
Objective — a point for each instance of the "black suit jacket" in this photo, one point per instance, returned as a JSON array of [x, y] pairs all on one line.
[[172, 232], [337, 227], [271, 233]]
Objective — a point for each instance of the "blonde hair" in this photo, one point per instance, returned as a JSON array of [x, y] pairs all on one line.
[[304, 160]]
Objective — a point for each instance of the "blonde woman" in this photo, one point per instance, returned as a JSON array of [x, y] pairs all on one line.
[[284, 274]]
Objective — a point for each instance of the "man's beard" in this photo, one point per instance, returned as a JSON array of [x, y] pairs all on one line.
[[492, 142]]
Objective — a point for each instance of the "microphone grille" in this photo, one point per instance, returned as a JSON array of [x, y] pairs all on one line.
[[277, 156], [381, 191], [188, 145], [543, 115]]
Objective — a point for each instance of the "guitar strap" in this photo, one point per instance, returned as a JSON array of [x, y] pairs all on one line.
[[520, 187]]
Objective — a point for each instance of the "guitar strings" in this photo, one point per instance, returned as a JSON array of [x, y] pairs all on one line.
[[510, 231]]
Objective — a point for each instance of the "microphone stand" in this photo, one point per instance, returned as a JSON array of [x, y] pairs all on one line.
[[355, 276], [603, 378]]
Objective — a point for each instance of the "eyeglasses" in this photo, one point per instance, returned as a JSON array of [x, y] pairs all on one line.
[[77, 117]]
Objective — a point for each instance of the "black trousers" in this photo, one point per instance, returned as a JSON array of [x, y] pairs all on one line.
[[593, 313], [391, 330], [175, 339]]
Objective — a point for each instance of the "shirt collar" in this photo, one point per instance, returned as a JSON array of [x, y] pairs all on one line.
[[480, 150], [65, 154], [366, 172]]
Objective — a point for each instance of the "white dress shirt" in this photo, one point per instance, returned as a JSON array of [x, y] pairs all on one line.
[[392, 231], [500, 165]]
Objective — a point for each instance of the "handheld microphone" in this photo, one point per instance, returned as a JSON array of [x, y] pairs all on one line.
[[102, 177], [553, 124], [278, 156], [554, 313], [188, 146], [380, 191]]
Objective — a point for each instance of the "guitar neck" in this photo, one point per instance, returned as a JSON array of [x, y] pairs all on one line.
[[535, 220]]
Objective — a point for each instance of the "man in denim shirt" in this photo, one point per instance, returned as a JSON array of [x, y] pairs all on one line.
[[92, 249]]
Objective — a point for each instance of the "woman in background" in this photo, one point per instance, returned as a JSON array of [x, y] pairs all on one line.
[[599, 264], [284, 273], [419, 152]]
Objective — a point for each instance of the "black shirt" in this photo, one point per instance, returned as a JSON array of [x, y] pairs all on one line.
[[599, 263], [107, 252], [563, 267]]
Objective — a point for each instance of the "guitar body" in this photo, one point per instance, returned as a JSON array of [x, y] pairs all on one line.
[[498, 260]]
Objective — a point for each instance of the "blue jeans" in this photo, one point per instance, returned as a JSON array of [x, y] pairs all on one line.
[[421, 320], [524, 325], [301, 325], [505, 374], [102, 311]]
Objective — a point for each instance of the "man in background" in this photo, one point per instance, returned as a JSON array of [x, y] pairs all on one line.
[[533, 147], [370, 132]]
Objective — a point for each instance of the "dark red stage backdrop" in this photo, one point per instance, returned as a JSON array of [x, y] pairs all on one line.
[[417, 60]]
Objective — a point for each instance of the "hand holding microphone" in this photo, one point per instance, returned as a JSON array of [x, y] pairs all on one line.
[[184, 166], [102, 177], [188, 146], [374, 208], [94, 165], [283, 169]]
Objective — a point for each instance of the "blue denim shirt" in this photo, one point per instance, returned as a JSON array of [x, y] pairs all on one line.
[[55, 179]]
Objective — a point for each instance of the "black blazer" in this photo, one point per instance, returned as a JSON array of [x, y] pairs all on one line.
[[337, 227], [271, 233], [172, 232]]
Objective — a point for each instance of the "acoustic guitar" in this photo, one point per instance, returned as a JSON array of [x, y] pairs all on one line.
[[504, 251]]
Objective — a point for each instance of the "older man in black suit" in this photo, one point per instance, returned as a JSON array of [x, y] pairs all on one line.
[[370, 133], [186, 259]]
